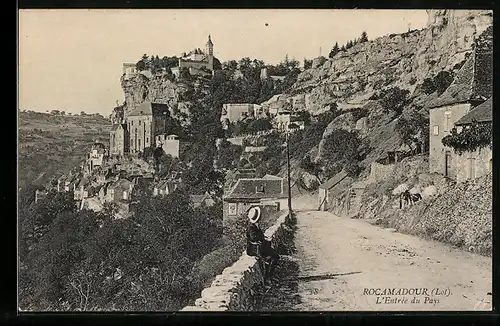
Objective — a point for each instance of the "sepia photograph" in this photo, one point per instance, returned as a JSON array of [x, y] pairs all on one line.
[[257, 160]]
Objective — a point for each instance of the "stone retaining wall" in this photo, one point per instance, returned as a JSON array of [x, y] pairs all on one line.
[[234, 289]]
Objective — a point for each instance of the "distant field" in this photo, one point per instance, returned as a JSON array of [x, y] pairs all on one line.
[[50, 145]]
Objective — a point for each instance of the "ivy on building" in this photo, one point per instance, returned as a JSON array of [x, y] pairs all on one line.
[[472, 137]]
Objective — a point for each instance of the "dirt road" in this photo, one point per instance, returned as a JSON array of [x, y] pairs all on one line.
[[344, 264]]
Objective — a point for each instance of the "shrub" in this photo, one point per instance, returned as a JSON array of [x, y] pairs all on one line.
[[394, 99], [472, 137]]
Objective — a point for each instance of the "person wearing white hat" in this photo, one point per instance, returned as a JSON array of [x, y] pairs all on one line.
[[257, 245]]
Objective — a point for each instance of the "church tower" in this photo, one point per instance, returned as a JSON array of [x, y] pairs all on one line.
[[210, 53]]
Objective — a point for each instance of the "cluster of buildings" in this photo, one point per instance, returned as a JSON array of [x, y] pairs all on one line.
[[143, 127], [114, 184], [281, 119], [197, 62]]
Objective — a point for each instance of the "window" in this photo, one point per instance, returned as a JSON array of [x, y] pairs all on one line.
[[435, 130], [139, 142], [147, 140], [132, 122], [232, 209], [125, 195], [472, 168], [447, 116]]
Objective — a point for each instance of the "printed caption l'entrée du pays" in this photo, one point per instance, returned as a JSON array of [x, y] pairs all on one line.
[[407, 295]]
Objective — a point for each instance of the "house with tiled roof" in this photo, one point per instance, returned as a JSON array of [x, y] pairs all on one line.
[[165, 187], [330, 191], [205, 200], [118, 191], [475, 164], [119, 140], [250, 192], [472, 86]]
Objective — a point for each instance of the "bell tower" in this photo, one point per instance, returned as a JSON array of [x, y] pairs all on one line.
[[210, 53]]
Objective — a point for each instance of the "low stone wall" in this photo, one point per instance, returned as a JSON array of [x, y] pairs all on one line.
[[234, 289]]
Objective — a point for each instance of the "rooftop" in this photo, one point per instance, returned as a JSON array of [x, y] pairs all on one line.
[[257, 188], [332, 182], [481, 113]]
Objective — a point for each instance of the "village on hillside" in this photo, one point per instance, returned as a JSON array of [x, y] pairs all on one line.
[[340, 184]]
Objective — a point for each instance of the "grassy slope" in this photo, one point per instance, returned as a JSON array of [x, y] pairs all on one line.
[[51, 145]]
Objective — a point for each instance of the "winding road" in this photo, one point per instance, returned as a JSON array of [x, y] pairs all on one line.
[[343, 264]]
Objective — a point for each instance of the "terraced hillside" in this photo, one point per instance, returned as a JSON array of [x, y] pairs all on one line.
[[50, 145]]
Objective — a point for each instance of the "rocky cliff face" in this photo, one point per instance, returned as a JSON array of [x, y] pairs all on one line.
[[157, 88], [402, 60]]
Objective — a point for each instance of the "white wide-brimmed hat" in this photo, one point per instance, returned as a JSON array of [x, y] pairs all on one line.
[[254, 214]]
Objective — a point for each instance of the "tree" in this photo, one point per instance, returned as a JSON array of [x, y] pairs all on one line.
[[439, 83], [394, 99], [260, 124], [410, 126], [334, 50], [340, 151], [364, 37], [312, 167], [307, 64]]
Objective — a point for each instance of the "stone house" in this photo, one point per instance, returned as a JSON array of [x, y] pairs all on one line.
[[80, 187], [249, 192], [171, 144], [284, 119], [328, 190], [119, 190], [67, 182], [472, 86], [40, 194], [104, 175], [96, 157], [475, 164], [119, 140], [234, 112], [129, 69], [165, 187], [205, 200], [144, 123]]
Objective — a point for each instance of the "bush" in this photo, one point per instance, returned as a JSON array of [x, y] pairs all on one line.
[[394, 99], [438, 83], [340, 151]]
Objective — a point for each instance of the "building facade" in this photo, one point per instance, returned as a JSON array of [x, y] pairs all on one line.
[[472, 86], [234, 112], [170, 144], [129, 69], [251, 192], [471, 165], [144, 123], [196, 60]]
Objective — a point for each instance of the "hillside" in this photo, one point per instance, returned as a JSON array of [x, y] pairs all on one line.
[[389, 79], [50, 145]]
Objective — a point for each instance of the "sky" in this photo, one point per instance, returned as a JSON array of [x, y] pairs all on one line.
[[72, 60]]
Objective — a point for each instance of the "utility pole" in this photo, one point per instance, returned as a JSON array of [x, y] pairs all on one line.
[[290, 127], [288, 172], [320, 51]]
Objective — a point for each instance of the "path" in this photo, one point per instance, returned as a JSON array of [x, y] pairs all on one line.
[[340, 262]]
